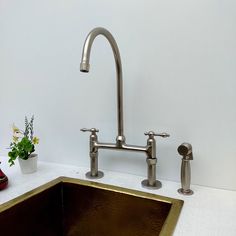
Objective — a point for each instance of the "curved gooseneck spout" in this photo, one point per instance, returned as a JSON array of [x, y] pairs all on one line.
[[84, 67]]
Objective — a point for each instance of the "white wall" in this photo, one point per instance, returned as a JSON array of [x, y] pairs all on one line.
[[179, 64]]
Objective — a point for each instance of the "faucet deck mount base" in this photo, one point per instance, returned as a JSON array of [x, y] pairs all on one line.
[[185, 192], [99, 175], [157, 184]]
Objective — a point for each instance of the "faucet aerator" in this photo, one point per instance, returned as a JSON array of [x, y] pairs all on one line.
[[84, 67]]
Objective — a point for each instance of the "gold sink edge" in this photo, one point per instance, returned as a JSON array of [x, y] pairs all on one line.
[[170, 222]]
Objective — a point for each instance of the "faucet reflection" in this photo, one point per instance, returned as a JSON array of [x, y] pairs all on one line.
[[149, 149]]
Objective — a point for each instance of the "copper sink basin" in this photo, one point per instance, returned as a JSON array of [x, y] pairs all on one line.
[[72, 207]]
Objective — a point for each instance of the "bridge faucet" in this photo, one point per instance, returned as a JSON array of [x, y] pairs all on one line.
[[95, 145]]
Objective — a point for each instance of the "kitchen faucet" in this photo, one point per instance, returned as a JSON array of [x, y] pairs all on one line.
[[120, 144]]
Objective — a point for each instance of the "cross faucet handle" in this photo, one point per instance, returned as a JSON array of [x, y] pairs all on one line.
[[151, 134], [92, 130]]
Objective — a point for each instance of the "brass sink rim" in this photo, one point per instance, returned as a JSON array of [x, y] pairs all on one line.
[[167, 228]]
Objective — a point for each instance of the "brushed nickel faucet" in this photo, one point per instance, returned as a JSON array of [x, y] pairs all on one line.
[[120, 144]]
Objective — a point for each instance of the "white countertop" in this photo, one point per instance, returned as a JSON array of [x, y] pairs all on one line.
[[209, 212]]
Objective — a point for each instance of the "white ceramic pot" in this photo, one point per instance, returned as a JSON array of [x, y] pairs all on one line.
[[30, 165]]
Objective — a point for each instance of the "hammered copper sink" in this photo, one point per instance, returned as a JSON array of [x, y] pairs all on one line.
[[67, 206]]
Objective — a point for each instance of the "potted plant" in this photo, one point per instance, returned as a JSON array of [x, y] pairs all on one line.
[[23, 147]]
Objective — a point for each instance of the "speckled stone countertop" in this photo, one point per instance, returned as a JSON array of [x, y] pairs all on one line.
[[209, 212]]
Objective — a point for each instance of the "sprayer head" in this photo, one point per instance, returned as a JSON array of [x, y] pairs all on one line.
[[185, 150]]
